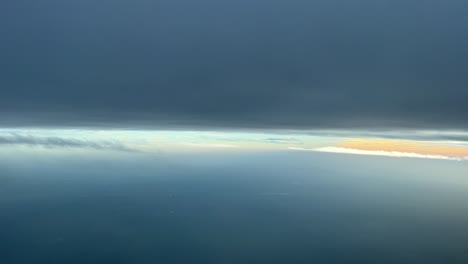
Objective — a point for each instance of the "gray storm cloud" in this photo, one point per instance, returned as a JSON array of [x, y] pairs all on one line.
[[235, 64]]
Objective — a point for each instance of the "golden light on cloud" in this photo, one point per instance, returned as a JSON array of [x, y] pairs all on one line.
[[405, 146], [395, 148]]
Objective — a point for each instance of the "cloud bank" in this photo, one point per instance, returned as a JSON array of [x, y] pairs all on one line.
[[234, 64]]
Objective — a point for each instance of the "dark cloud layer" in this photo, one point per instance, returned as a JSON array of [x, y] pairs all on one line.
[[276, 64]]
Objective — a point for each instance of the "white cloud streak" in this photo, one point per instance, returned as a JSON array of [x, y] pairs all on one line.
[[395, 154]]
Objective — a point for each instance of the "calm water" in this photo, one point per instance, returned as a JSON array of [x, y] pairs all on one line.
[[284, 207]]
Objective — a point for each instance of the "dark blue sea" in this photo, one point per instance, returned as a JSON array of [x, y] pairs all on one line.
[[271, 207]]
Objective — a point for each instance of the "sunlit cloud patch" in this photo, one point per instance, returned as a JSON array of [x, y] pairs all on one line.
[[396, 148]]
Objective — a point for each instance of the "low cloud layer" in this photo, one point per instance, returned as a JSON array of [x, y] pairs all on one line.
[[57, 142]]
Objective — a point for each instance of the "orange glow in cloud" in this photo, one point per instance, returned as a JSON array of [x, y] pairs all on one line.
[[424, 148]]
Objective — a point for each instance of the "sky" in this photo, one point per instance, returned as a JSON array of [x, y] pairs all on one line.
[[355, 77], [213, 65]]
